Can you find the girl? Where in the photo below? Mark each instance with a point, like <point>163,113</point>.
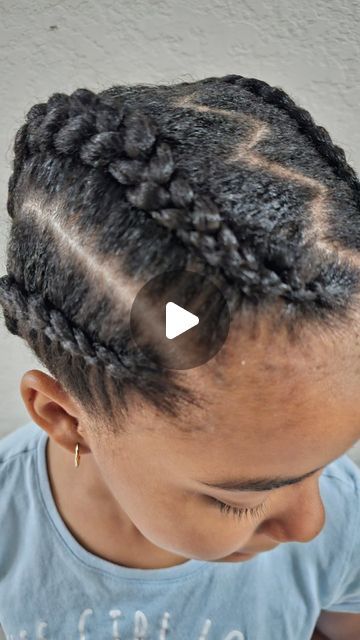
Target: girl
<point>211,502</point>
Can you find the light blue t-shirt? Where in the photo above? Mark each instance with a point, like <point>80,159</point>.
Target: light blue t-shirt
<point>51,587</point>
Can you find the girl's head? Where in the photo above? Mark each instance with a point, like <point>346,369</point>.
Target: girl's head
<point>226,176</point>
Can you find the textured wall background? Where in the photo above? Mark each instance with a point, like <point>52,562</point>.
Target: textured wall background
<point>311,49</point>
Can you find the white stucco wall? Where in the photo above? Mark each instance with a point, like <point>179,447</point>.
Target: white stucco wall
<point>311,49</point>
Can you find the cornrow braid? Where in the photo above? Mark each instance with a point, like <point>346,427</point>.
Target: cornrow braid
<point>127,146</point>
<point>332,153</point>
<point>81,126</point>
<point>29,315</point>
<point>225,173</point>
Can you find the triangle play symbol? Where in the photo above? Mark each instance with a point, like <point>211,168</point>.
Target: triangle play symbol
<point>178,320</point>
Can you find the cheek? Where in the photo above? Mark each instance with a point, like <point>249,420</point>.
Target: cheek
<point>185,526</point>
<point>179,523</point>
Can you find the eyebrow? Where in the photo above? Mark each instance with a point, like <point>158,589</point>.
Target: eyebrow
<point>259,484</point>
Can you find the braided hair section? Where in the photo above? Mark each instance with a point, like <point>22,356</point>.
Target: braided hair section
<point>145,168</point>
<point>317,134</point>
<point>129,146</point>
<point>30,316</point>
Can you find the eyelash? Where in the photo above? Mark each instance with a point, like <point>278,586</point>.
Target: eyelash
<point>240,511</point>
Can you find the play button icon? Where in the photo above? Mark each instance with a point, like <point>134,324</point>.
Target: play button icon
<point>179,319</point>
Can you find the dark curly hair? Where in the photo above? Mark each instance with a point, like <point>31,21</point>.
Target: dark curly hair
<point>225,174</point>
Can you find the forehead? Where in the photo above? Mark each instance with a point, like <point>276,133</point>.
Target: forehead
<point>267,390</point>
<point>269,408</point>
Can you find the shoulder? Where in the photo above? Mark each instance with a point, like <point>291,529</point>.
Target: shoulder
<point>18,485</point>
<point>340,490</point>
<point>345,470</point>
<point>340,581</point>
<point>340,486</point>
<point>22,440</point>
<point>17,453</point>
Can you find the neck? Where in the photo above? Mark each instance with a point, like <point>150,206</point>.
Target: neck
<point>93,515</point>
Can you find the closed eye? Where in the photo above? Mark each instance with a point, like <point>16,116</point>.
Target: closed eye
<point>240,512</point>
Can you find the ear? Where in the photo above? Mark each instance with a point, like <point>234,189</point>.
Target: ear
<point>52,409</point>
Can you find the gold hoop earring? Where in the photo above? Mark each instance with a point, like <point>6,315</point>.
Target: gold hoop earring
<point>77,456</point>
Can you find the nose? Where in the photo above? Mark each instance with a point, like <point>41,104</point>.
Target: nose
<point>299,518</point>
